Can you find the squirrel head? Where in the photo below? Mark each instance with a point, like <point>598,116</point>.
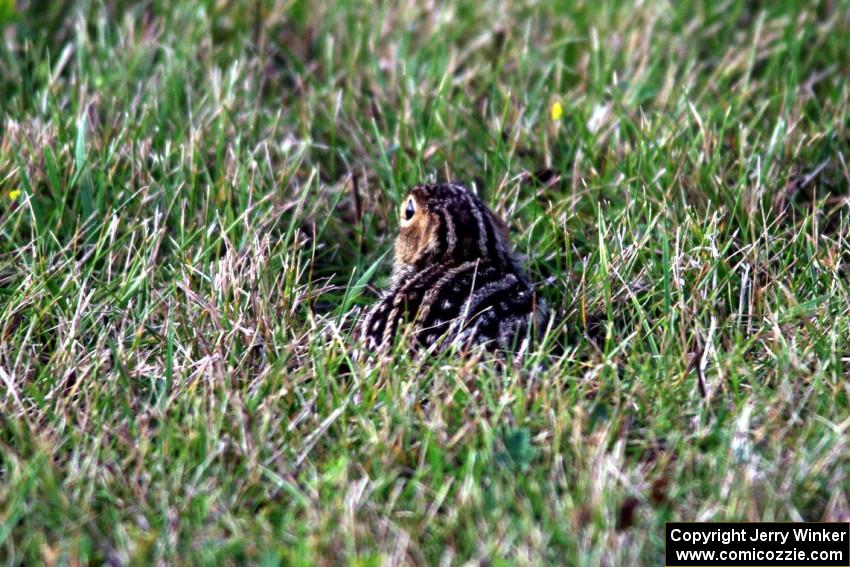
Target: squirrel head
<point>447,224</point>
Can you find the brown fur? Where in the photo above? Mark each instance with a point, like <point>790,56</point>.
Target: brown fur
<point>416,236</point>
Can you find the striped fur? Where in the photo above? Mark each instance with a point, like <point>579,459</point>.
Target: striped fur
<point>455,279</point>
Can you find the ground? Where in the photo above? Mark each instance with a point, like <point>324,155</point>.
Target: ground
<point>197,197</point>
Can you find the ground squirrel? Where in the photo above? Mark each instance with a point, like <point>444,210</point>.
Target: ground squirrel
<point>455,278</point>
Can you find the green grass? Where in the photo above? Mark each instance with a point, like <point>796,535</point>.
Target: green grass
<point>193,195</point>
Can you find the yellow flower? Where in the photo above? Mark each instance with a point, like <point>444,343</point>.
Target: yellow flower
<point>14,194</point>
<point>556,111</point>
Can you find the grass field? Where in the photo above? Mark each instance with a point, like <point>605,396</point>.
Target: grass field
<point>196,198</point>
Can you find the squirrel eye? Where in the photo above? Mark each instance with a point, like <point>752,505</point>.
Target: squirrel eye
<point>410,210</point>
